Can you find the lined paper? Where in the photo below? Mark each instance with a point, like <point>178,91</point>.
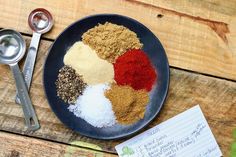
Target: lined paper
<point>185,135</point>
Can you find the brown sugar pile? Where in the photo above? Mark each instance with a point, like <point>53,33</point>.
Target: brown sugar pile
<point>110,40</point>
<point>129,105</point>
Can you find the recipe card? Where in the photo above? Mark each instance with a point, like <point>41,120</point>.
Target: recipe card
<point>185,135</point>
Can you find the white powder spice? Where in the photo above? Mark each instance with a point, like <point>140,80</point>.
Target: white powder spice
<point>94,107</point>
<point>86,62</point>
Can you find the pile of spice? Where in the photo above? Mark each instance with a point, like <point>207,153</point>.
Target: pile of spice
<point>135,69</point>
<point>128,104</point>
<point>94,107</point>
<point>86,62</point>
<point>111,40</point>
<point>69,85</point>
<point>107,77</point>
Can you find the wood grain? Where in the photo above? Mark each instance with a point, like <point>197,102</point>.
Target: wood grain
<point>197,35</point>
<point>215,96</point>
<point>215,10</point>
<point>15,146</point>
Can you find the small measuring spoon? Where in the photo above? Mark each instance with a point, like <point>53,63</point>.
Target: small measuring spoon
<point>40,21</point>
<point>12,49</point>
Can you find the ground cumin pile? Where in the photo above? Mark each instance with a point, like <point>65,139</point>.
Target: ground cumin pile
<point>128,104</point>
<point>110,40</point>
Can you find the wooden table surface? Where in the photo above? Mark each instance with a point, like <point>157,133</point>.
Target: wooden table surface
<point>200,41</point>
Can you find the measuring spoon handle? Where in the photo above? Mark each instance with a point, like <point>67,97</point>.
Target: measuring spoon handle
<point>28,68</point>
<point>30,116</point>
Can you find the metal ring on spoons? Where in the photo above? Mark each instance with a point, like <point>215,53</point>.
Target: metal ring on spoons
<point>40,21</point>
<point>12,49</point>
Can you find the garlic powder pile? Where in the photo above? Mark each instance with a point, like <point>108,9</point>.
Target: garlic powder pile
<point>87,63</point>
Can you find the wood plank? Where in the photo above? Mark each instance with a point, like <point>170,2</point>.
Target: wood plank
<point>215,96</point>
<point>12,145</point>
<point>198,36</point>
<point>214,10</point>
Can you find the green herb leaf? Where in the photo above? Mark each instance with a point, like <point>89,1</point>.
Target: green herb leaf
<point>127,151</point>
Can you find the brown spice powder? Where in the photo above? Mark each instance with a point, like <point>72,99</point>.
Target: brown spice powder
<point>129,105</point>
<point>110,40</point>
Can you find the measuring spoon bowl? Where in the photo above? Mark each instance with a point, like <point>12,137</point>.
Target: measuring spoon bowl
<point>40,20</point>
<point>10,46</point>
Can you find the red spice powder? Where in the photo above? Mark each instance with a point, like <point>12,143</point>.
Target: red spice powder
<point>133,68</point>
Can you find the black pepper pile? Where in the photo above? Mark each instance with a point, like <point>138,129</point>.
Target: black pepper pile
<point>69,85</point>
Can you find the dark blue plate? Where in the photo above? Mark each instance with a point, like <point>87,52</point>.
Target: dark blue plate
<point>73,33</point>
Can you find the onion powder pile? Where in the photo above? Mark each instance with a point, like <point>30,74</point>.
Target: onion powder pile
<point>94,107</point>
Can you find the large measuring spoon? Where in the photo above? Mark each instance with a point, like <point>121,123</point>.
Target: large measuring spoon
<point>12,49</point>
<point>40,21</point>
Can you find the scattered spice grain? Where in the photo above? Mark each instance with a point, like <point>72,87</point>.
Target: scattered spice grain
<point>69,85</point>
<point>111,40</point>
<point>129,105</point>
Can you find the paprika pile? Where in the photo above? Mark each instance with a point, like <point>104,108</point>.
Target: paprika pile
<point>133,68</point>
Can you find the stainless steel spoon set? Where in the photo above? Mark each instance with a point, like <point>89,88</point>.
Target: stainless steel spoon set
<point>12,49</point>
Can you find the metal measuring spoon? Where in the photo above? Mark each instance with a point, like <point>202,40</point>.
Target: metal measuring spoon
<point>40,21</point>
<point>12,49</point>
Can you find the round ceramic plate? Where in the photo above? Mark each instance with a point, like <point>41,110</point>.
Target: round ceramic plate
<point>54,61</point>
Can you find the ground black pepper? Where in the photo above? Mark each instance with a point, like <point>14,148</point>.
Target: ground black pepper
<point>69,85</point>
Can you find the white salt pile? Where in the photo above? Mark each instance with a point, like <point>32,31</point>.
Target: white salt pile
<point>94,107</point>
